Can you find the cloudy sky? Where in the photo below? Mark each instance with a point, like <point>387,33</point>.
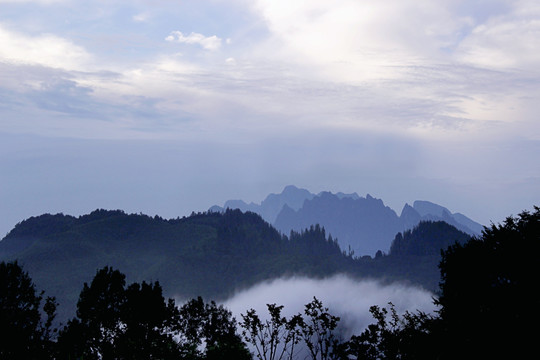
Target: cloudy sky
<point>165,107</point>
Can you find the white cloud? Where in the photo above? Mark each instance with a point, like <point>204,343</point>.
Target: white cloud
<point>45,49</point>
<point>506,42</point>
<point>207,42</point>
<point>352,40</point>
<point>358,40</point>
<point>344,296</point>
<point>388,66</point>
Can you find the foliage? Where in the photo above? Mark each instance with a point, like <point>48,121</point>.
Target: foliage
<point>135,322</point>
<point>148,323</point>
<point>488,298</point>
<point>487,302</point>
<point>272,339</point>
<point>427,238</point>
<point>208,331</point>
<point>394,337</point>
<point>277,337</point>
<point>115,322</point>
<point>318,330</point>
<point>25,334</point>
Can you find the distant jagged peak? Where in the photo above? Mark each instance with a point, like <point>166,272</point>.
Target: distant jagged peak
<point>292,189</point>
<point>270,207</point>
<point>292,199</point>
<point>407,208</point>
<point>340,195</point>
<point>238,204</point>
<point>428,208</point>
<point>409,216</point>
<point>291,196</point>
<point>289,192</point>
<point>286,210</point>
<point>375,200</point>
<point>471,224</point>
<point>324,194</point>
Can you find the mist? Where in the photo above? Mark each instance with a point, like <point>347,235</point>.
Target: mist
<point>345,297</point>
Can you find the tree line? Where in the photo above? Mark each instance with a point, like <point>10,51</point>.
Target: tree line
<point>487,304</point>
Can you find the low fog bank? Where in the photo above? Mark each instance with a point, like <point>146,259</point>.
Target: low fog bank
<point>345,297</point>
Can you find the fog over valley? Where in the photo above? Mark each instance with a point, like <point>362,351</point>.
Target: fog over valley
<point>346,297</point>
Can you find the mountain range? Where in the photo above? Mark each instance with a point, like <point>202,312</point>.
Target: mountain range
<point>210,254</point>
<point>362,225</point>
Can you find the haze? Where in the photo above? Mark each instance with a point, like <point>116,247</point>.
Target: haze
<point>345,297</point>
<point>167,107</point>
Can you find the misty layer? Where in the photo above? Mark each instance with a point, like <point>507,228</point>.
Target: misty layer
<point>345,297</point>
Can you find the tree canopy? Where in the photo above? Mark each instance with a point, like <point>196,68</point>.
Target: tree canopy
<point>25,316</point>
<point>488,296</point>
<point>488,303</point>
<point>136,322</point>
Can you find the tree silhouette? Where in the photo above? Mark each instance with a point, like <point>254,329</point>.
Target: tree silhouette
<point>24,333</point>
<point>97,327</point>
<point>318,331</point>
<point>394,337</point>
<point>488,302</point>
<point>209,331</point>
<point>117,323</point>
<point>488,295</point>
<point>148,324</point>
<point>274,338</point>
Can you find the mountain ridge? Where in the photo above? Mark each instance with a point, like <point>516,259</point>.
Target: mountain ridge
<point>369,225</point>
<point>206,254</point>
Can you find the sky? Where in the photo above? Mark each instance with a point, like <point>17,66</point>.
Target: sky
<point>168,107</point>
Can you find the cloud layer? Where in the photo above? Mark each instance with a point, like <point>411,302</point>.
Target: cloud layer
<point>345,95</point>
<point>443,68</point>
<point>45,50</point>
<point>345,297</point>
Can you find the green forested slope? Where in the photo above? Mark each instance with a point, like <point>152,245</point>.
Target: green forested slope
<point>208,254</point>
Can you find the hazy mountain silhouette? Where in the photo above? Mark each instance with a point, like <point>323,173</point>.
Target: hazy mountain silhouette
<point>363,225</point>
<point>430,211</point>
<point>270,207</point>
<point>208,254</point>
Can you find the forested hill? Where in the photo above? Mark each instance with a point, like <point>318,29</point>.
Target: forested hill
<point>427,239</point>
<point>208,254</point>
